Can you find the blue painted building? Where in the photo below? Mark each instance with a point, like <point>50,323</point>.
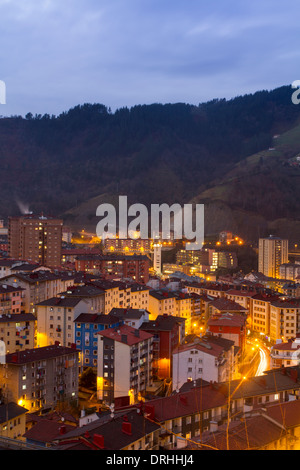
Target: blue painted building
<point>87,326</point>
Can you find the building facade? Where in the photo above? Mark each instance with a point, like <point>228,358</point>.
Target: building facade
<point>35,238</point>
<point>124,364</point>
<point>113,266</point>
<point>17,331</point>
<point>42,377</point>
<point>272,252</point>
<point>87,327</point>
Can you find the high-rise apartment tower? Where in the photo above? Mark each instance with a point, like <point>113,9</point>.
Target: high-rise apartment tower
<point>35,238</point>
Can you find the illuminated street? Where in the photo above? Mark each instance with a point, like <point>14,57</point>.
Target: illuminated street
<point>264,361</point>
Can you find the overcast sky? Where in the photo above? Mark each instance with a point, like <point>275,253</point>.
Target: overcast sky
<point>55,54</point>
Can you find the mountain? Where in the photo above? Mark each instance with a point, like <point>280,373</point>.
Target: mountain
<point>260,194</point>
<point>216,153</point>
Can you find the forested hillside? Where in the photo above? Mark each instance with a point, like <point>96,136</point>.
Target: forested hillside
<point>152,153</point>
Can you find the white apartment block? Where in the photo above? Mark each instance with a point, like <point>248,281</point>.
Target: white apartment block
<point>124,364</point>
<point>285,354</point>
<point>204,360</point>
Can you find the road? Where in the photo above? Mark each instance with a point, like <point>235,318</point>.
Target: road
<point>264,361</point>
<point>260,361</point>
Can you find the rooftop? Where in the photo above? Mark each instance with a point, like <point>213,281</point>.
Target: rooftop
<point>134,313</point>
<point>95,318</point>
<point>17,317</point>
<point>37,354</point>
<point>223,304</point>
<point>126,334</point>
<point>61,302</point>
<point>109,433</point>
<point>162,323</point>
<point>227,319</point>
<point>11,411</point>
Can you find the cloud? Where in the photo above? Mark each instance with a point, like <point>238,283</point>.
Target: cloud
<point>55,54</point>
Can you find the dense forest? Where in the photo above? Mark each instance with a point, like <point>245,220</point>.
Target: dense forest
<point>152,153</point>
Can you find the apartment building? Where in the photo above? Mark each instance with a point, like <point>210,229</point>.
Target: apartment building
<point>285,353</point>
<point>37,286</point>
<point>168,332</point>
<point>275,427</point>
<point>224,259</point>
<point>87,327</point>
<point>124,364</point>
<point>92,293</point>
<point>134,317</point>
<point>284,319</point>
<point>107,295</point>
<point>289,271</point>
<point>124,430</point>
<point>127,245</point>
<point>7,265</point>
<point>161,302</point>
<point>35,238</point>
<point>11,299</point>
<point>209,358</point>
<point>241,296</point>
<point>41,378</point>
<point>113,266</point>
<point>224,305</point>
<point>12,420</point>
<point>169,302</point>
<point>211,289</point>
<point>17,331</point>
<point>55,319</point>
<point>272,252</point>
<point>190,413</point>
<point>230,326</point>
<point>260,307</point>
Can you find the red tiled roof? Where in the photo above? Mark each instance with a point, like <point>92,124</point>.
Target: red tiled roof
<point>287,346</point>
<point>132,335</point>
<point>46,430</point>
<point>227,320</point>
<point>241,293</point>
<point>182,404</point>
<point>287,413</point>
<point>209,348</point>
<point>227,304</point>
<point>36,354</point>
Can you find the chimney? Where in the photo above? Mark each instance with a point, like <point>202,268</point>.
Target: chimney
<point>14,358</point>
<point>150,411</point>
<point>98,440</point>
<point>213,426</point>
<point>62,429</point>
<point>124,338</point>
<point>126,426</point>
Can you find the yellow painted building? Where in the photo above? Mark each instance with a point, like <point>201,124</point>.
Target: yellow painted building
<point>178,304</point>
<point>17,331</point>
<point>12,420</point>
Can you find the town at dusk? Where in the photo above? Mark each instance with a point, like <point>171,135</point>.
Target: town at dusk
<point>149,228</point>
